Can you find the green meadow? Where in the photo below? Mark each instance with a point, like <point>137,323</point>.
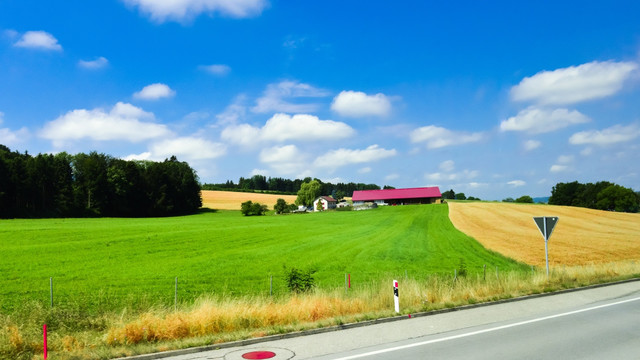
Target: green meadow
<point>110,263</point>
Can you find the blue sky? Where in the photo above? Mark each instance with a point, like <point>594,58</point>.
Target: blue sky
<point>493,99</point>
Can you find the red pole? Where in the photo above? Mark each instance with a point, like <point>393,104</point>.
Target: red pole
<point>44,331</point>
<point>349,281</point>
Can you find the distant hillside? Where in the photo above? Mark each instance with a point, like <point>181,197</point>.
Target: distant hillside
<point>541,200</point>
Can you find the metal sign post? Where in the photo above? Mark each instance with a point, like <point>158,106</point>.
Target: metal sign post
<point>546,224</point>
<point>396,302</point>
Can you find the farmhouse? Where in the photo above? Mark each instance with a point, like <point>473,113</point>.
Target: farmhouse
<point>423,195</point>
<point>326,203</point>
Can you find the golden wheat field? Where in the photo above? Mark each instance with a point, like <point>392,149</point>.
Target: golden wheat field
<point>581,236</point>
<point>229,200</point>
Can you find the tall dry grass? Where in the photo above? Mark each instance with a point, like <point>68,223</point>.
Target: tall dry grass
<point>213,319</point>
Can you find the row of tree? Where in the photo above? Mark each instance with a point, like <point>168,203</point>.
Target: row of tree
<point>94,184</point>
<point>287,186</point>
<point>602,195</point>
<point>452,195</point>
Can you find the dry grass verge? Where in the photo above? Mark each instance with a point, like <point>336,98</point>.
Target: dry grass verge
<point>212,320</point>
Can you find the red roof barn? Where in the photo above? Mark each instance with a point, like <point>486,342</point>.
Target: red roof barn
<point>422,195</point>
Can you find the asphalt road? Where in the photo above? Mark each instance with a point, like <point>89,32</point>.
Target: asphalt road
<point>601,323</point>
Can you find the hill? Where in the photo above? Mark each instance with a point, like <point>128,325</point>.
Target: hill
<point>582,236</point>
<point>107,263</point>
<point>230,200</point>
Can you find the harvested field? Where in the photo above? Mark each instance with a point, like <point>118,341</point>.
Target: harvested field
<point>230,200</point>
<point>582,236</point>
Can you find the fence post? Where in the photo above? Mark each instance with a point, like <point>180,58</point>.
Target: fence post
<point>44,339</point>
<point>346,290</point>
<point>484,273</point>
<point>51,290</point>
<point>455,275</point>
<point>497,276</point>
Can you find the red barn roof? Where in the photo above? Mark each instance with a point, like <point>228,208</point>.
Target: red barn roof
<point>389,194</point>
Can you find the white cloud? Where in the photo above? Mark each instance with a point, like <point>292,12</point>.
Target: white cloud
<point>38,40</point>
<point>535,120</point>
<point>447,166</point>
<point>98,63</point>
<point>517,183</point>
<point>274,98</point>
<point>216,69</point>
<point>233,113</point>
<point>142,156</point>
<point>609,136</point>
<point>558,168</point>
<point>437,137</point>
<point>574,84</point>
<point>391,177</point>
<point>283,127</point>
<point>364,170</point>
<point>531,145</point>
<point>262,172</point>
<point>586,151</point>
<point>9,137</point>
<point>342,157</point>
<point>287,159</point>
<point>565,159</point>
<point>184,10</point>
<point>190,148</point>
<point>122,122</point>
<point>154,92</point>
<point>466,174</point>
<point>358,104</point>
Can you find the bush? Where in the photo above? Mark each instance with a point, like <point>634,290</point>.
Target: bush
<point>526,199</point>
<point>249,208</point>
<point>299,281</point>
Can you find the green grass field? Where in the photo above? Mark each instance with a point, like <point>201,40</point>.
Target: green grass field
<point>105,264</point>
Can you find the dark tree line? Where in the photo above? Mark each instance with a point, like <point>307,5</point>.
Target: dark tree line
<point>602,195</point>
<point>287,186</point>
<point>94,184</point>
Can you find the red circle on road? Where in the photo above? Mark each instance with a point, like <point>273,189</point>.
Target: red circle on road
<point>259,355</point>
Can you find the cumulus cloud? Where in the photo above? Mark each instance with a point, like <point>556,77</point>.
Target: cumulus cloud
<point>364,170</point>
<point>38,40</point>
<point>342,157</point>
<point>358,104</point>
<point>275,98</point>
<point>558,168</point>
<point>517,183</point>
<point>534,120</point>
<point>466,174</point>
<point>613,135</point>
<point>447,166</point>
<point>287,159</point>
<point>98,63</point>
<point>233,113</point>
<point>437,137</point>
<point>123,122</point>
<point>154,92</point>
<point>531,145</point>
<point>185,10</point>
<point>190,148</point>
<point>9,137</point>
<point>216,69</point>
<point>283,127</point>
<point>574,84</point>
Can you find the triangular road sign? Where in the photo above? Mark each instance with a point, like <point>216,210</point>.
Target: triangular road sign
<point>546,224</point>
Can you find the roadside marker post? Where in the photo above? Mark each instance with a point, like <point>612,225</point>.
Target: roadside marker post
<point>396,301</point>
<point>546,224</point>
<point>44,338</point>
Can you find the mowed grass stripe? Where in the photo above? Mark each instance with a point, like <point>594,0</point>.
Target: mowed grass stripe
<point>582,236</point>
<point>116,262</point>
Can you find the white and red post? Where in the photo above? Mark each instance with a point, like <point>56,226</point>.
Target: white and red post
<point>396,301</point>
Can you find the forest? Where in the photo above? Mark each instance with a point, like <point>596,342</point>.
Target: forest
<point>94,185</point>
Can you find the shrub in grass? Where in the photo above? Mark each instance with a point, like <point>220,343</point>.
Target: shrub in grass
<point>298,280</point>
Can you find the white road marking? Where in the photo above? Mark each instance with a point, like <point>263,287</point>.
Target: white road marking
<point>484,331</point>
